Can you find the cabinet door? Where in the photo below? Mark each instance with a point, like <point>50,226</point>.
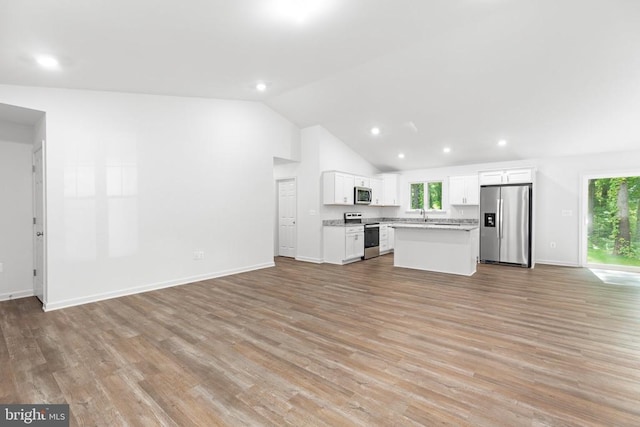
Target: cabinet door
<point>347,189</point>
<point>457,190</point>
<point>362,181</point>
<point>391,190</point>
<point>464,190</point>
<point>472,190</point>
<point>491,178</point>
<point>377,192</point>
<point>359,249</point>
<point>519,176</point>
<point>337,188</point>
<point>354,245</point>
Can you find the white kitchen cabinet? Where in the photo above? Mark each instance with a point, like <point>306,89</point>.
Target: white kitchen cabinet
<point>377,192</point>
<point>508,176</point>
<point>491,178</point>
<point>337,188</point>
<point>343,245</point>
<point>354,245</point>
<point>362,181</point>
<point>464,190</point>
<point>391,236</point>
<point>386,238</point>
<point>519,176</point>
<point>390,183</point>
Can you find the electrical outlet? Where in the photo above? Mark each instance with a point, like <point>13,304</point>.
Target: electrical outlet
<point>198,255</point>
<point>553,245</point>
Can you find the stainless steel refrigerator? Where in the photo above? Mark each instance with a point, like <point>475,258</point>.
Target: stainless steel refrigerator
<point>505,224</point>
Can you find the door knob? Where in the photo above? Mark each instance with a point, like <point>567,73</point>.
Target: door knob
<point>39,233</point>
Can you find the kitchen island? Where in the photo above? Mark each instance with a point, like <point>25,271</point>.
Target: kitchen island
<point>442,248</point>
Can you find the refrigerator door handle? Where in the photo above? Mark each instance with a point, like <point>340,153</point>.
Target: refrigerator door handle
<point>498,219</point>
<point>501,211</point>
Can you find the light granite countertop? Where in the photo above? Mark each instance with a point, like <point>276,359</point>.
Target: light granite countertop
<point>436,226</point>
<point>443,223</point>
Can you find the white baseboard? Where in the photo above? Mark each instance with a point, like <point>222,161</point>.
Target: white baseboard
<point>308,259</point>
<point>558,263</point>
<point>50,306</point>
<point>16,294</point>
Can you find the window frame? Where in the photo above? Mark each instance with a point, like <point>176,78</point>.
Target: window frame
<point>426,199</point>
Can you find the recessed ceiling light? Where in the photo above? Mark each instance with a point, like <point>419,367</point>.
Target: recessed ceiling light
<point>446,149</point>
<point>375,131</point>
<point>502,142</point>
<point>299,11</point>
<point>261,86</point>
<point>48,62</point>
<point>401,155</point>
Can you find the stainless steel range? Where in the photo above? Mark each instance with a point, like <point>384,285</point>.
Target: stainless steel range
<point>371,234</point>
<point>371,240</point>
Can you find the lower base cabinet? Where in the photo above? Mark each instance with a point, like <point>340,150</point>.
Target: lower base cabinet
<point>342,244</point>
<point>387,237</point>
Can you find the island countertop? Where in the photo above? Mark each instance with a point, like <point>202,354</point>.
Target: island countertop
<point>431,226</point>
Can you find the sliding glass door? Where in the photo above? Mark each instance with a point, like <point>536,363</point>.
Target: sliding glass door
<point>613,222</point>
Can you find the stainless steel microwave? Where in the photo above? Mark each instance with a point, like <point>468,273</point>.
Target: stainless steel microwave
<point>361,196</point>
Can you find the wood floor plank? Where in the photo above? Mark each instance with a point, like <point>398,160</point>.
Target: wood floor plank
<point>365,344</point>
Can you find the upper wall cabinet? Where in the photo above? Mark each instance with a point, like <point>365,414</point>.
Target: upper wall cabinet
<point>377,192</point>
<point>337,188</point>
<point>464,190</point>
<point>362,181</point>
<point>390,182</point>
<point>509,176</point>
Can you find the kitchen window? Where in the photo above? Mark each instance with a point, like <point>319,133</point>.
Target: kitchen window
<point>426,195</point>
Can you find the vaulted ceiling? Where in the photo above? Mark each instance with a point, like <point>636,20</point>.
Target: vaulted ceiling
<point>551,77</point>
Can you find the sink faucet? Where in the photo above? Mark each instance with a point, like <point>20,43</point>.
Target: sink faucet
<point>423,212</point>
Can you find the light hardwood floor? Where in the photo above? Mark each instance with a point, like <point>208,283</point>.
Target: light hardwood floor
<point>364,344</point>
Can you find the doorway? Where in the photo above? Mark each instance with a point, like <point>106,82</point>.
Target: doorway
<point>22,217</point>
<point>287,217</point>
<point>611,235</point>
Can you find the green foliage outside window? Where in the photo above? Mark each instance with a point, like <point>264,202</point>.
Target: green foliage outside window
<point>417,196</point>
<point>435,195</point>
<point>433,199</point>
<point>614,221</point>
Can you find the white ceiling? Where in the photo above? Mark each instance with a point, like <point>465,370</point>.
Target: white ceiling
<point>553,77</point>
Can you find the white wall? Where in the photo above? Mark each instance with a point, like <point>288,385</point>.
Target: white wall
<point>16,245</point>
<point>15,132</point>
<point>137,183</point>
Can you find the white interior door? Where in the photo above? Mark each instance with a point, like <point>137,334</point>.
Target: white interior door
<point>38,226</point>
<point>287,218</point>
